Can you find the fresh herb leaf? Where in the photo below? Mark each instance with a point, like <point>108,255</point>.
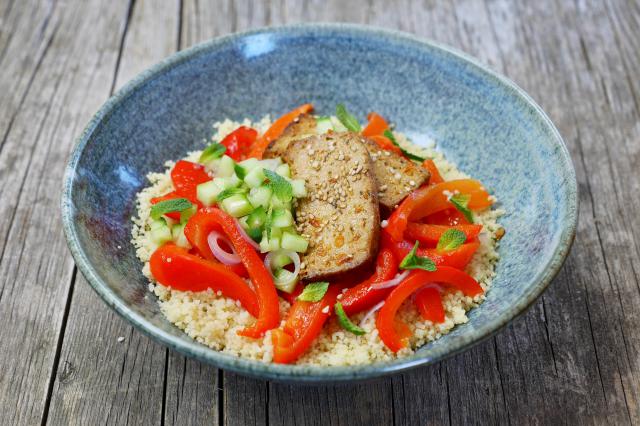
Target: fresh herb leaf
<point>240,171</point>
<point>229,192</point>
<point>389,135</point>
<point>314,292</point>
<point>461,203</point>
<point>213,151</point>
<point>413,261</point>
<point>348,120</point>
<point>280,186</point>
<point>345,322</point>
<point>268,223</point>
<point>168,206</point>
<point>451,239</point>
<point>186,214</point>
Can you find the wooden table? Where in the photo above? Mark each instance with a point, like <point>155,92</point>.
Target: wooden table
<point>574,357</point>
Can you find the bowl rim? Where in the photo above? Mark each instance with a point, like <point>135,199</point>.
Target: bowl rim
<point>317,374</point>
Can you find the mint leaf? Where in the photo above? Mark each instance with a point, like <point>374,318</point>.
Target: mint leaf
<point>280,186</point>
<point>451,239</point>
<point>389,135</point>
<point>345,322</point>
<point>168,206</point>
<point>413,261</point>
<point>213,151</point>
<point>461,203</point>
<point>229,192</point>
<point>348,120</point>
<point>314,292</point>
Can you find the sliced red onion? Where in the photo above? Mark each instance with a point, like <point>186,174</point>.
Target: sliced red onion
<point>246,236</point>
<point>221,254</point>
<point>370,313</point>
<point>392,282</point>
<point>295,257</point>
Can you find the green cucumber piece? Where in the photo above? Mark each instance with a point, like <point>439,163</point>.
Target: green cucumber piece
<point>299,190</point>
<point>323,124</point>
<point>257,218</point>
<point>260,196</point>
<point>282,218</point>
<point>269,244</point>
<point>249,164</point>
<point>237,205</point>
<point>293,242</point>
<point>208,191</point>
<point>284,171</point>
<point>337,125</point>
<point>271,163</point>
<point>255,234</point>
<point>177,232</point>
<point>223,167</point>
<point>160,232</point>
<point>255,177</point>
<point>277,203</point>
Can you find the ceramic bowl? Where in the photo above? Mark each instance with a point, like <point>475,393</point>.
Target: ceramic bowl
<point>483,122</point>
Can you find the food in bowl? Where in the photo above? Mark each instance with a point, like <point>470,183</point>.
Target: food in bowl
<point>313,240</point>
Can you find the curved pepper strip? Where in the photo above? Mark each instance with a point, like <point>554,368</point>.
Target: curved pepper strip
<point>376,126</point>
<point>456,258</point>
<point>386,320</point>
<point>197,231</point>
<point>276,129</point>
<point>304,323</point>
<point>174,267</point>
<point>448,217</point>
<point>430,199</point>
<point>430,234</point>
<point>239,142</point>
<point>269,316</point>
<point>434,173</point>
<point>363,296</point>
<point>429,304</point>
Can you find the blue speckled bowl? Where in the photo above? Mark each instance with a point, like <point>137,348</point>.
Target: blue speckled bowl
<point>483,122</point>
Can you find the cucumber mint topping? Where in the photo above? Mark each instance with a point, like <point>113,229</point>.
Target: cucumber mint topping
<point>348,120</point>
<point>213,151</point>
<point>314,292</point>
<point>451,239</point>
<point>169,206</point>
<point>461,203</point>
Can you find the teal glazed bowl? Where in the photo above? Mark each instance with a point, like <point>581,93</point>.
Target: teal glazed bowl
<point>483,122</point>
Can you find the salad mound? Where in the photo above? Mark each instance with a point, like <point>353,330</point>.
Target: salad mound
<point>314,240</point>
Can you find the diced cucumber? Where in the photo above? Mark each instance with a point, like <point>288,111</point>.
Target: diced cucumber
<point>276,233</point>
<point>271,163</point>
<point>227,182</point>
<point>280,260</point>
<point>223,167</point>
<point>281,218</point>
<point>255,177</point>
<point>255,234</point>
<point>337,125</point>
<point>269,244</point>
<point>243,222</point>
<point>257,218</point>
<point>299,190</point>
<point>208,191</point>
<point>178,236</point>
<point>277,203</point>
<point>323,124</point>
<point>237,205</point>
<point>284,171</point>
<point>249,164</point>
<point>260,196</point>
<point>160,232</point>
<point>293,242</point>
<point>285,280</point>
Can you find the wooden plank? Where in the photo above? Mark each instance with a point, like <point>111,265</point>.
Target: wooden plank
<point>35,267</point>
<point>124,381</point>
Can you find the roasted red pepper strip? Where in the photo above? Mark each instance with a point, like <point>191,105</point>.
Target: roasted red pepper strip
<point>456,258</point>
<point>197,231</point>
<point>386,319</point>
<point>377,125</point>
<point>239,142</point>
<point>430,234</point>
<point>304,323</point>
<point>269,317</point>
<point>430,199</point>
<point>449,217</point>
<point>186,176</point>
<point>362,296</point>
<point>429,304</point>
<point>384,143</point>
<point>276,130</point>
<point>170,196</point>
<point>174,267</point>
<point>435,176</point>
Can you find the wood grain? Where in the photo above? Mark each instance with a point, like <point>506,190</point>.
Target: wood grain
<point>573,358</point>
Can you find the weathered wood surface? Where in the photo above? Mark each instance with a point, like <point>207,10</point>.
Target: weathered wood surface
<point>573,358</point>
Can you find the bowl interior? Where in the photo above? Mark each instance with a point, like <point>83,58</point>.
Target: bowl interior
<point>489,128</point>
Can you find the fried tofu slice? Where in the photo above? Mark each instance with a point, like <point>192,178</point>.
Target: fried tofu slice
<point>304,126</point>
<point>340,217</point>
<point>397,176</point>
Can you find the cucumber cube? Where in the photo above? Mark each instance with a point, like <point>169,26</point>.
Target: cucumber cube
<point>255,177</point>
<point>160,232</point>
<point>237,205</point>
<point>294,242</point>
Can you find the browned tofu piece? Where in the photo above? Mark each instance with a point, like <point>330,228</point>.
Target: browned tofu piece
<point>396,175</point>
<point>340,216</point>
<point>304,126</point>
